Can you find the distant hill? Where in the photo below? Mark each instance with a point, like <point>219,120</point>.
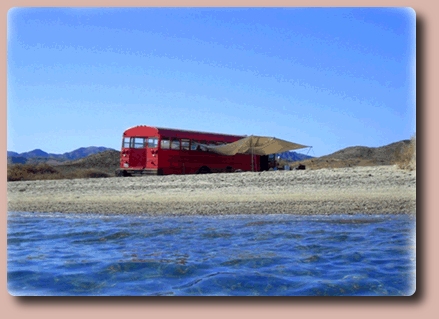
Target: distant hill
<point>13,154</point>
<point>102,164</point>
<point>359,156</point>
<point>17,160</point>
<point>383,154</point>
<point>106,161</point>
<point>292,156</point>
<point>36,153</point>
<point>84,152</point>
<point>40,156</point>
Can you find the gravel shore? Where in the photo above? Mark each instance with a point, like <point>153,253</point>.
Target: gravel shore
<point>370,190</point>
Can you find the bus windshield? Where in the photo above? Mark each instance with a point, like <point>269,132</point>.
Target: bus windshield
<point>134,142</point>
<point>140,142</point>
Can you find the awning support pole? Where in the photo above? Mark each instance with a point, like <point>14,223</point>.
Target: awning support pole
<point>251,145</point>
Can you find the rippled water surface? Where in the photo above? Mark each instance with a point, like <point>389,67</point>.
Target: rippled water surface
<point>242,255</point>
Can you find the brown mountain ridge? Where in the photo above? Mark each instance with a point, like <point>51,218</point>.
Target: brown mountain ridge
<point>362,156</point>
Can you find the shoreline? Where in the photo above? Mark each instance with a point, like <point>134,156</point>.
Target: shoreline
<point>353,190</point>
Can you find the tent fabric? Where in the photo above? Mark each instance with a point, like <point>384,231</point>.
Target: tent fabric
<point>258,145</point>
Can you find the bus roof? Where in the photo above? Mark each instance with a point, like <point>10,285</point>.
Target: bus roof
<point>163,130</point>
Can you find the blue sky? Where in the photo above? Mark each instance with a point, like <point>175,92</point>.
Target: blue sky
<point>325,77</point>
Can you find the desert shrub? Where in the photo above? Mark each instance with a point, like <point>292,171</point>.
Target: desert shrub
<point>406,159</point>
<point>28,172</point>
<point>15,172</point>
<point>25,172</point>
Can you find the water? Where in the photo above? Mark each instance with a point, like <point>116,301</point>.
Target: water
<point>241,255</point>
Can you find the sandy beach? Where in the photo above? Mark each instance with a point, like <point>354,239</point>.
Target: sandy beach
<point>370,190</point>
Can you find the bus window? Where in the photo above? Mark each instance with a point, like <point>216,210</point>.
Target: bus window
<point>165,143</point>
<point>202,146</point>
<point>175,144</point>
<point>126,142</point>
<point>185,144</point>
<point>194,145</point>
<point>138,142</point>
<point>152,142</point>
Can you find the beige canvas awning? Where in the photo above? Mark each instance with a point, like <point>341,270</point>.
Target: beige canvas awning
<point>258,145</point>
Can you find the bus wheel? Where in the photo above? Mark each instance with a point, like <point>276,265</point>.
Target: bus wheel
<point>204,170</point>
<point>229,169</point>
<point>124,174</point>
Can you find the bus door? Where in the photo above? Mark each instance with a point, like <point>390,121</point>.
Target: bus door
<point>138,152</point>
<point>151,152</point>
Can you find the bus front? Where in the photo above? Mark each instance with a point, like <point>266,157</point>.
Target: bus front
<point>138,155</point>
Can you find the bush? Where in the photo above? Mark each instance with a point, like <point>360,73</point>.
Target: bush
<point>29,172</point>
<point>25,172</point>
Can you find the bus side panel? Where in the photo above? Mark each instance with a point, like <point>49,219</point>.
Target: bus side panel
<point>169,161</point>
<point>189,162</point>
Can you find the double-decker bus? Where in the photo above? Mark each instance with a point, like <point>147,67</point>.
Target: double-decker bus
<point>164,151</point>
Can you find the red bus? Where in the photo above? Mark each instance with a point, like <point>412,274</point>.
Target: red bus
<point>164,151</point>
